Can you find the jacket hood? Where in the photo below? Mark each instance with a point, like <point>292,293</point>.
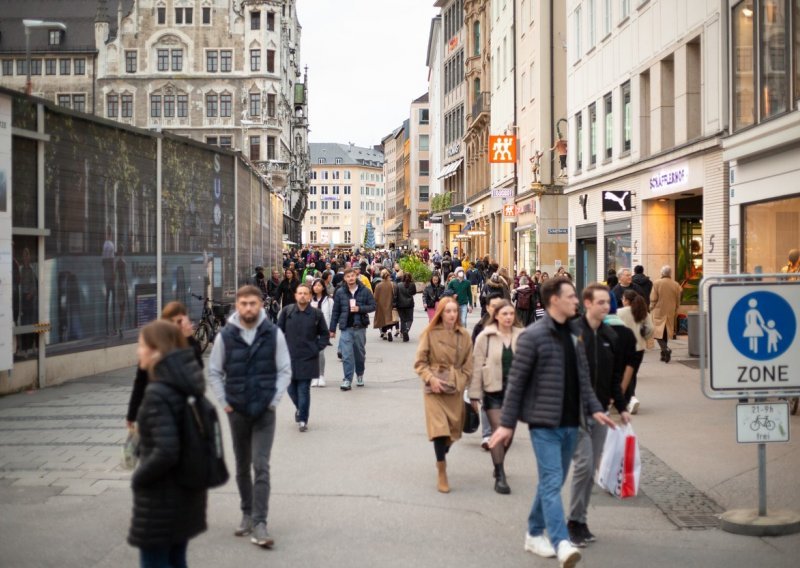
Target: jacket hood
<point>492,284</point>
<point>180,370</point>
<point>236,322</point>
<point>640,279</point>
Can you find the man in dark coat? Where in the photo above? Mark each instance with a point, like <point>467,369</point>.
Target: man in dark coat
<point>625,282</point>
<point>642,282</point>
<point>306,336</point>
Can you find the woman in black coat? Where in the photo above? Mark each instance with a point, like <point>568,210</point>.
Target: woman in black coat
<point>165,513</point>
<point>288,286</point>
<point>432,294</point>
<point>404,302</point>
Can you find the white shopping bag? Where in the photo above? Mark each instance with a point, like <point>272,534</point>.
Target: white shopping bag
<point>621,465</point>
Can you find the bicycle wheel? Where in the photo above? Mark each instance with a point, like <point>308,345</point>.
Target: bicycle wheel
<point>202,334</point>
<point>755,425</point>
<point>770,424</point>
<point>793,403</point>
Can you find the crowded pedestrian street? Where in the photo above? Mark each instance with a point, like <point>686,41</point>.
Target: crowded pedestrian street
<point>358,488</point>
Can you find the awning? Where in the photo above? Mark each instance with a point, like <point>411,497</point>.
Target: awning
<point>449,169</point>
<point>524,228</point>
<point>395,228</point>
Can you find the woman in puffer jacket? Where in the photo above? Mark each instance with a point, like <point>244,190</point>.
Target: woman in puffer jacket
<point>165,513</point>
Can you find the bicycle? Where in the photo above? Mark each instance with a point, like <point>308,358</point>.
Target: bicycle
<point>760,421</point>
<point>211,320</point>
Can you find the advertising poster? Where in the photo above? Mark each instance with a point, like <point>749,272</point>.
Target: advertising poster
<point>7,280</point>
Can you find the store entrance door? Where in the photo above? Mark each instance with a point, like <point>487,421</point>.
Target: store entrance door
<point>586,266</point>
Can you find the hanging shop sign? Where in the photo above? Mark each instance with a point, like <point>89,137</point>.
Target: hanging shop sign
<point>502,149</point>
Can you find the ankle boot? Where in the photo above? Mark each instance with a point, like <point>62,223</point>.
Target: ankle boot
<point>442,484</point>
<point>500,484</point>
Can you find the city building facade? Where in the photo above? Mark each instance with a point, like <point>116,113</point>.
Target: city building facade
<point>418,197</point>
<point>389,144</point>
<point>646,101</point>
<point>434,61</point>
<point>763,149</point>
<point>223,72</point>
<point>346,195</point>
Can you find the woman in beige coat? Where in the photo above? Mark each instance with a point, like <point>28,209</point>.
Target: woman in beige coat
<point>384,300</point>
<point>444,363</point>
<point>494,351</point>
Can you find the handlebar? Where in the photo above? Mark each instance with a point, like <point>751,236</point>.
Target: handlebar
<point>211,300</point>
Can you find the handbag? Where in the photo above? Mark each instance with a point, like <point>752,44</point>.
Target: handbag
<point>472,421</point>
<point>621,467</point>
<point>395,316</point>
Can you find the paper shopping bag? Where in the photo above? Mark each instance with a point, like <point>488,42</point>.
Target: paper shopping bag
<point>620,466</point>
<point>631,465</point>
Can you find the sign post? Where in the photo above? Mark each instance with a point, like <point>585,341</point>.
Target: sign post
<point>751,342</point>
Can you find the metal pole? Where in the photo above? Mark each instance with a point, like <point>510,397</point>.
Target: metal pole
<point>28,88</point>
<point>762,480</point>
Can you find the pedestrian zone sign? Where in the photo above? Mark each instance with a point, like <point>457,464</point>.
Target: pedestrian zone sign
<point>754,341</point>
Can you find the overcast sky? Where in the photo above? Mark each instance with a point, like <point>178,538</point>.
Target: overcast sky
<point>366,63</point>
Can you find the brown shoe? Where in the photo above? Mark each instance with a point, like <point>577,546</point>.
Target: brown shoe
<point>442,484</point>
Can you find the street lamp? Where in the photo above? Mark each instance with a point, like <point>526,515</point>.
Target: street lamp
<point>28,24</point>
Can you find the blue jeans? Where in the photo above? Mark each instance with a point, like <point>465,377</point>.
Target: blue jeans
<point>353,347</point>
<point>462,313</point>
<point>300,393</point>
<point>167,556</point>
<point>553,448</point>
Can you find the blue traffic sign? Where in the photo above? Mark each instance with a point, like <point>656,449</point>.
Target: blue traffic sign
<point>762,326</point>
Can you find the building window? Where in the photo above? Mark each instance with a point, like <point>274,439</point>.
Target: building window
<point>65,101</point>
<point>50,66</point>
<point>271,105</point>
<point>212,58</point>
<point>323,190</point>
<point>424,193</point>
<point>155,106</point>
<point>625,8</point>
<point>313,189</point>
<point>177,59</point>
<point>347,237</point>
<point>424,166</point>
<point>162,59</point>
<point>36,66</point>
<point>579,131</point>
<point>476,38</point>
<point>335,190</point>
<point>347,176</point>
<point>348,204</point>
<point>183,106</point>
<point>271,21</point>
<point>79,66</point>
<point>211,105</point>
<point>770,230</point>
<point>161,15</point>
<point>112,106</point>
<point>126,106</point>
<point>270,61</point>
<point>347,188</point>
<point>255,148</point>
<point>255,104</point>
<point>272,148</point>
<point>609,134</point>
<point>169,106</point>
<point>578,24</point>
<point>424,142</point>
<point>607,17</point>
<point>255,60</point>
<point>618,251</point>
<point>321,161</point>
<point>255,20</point>
<point>79,103</point>
<point>183,16</point>
<point>206,16</point>
<point>64,66</point>
<point>592,134</point>
<point>226,60</point>
<point>8,66</point>
<point>225,105</point>
<point>423,116</point>
<point>774,40</point>
<point>130,62</point>
<point>627,118</point>
<point>212,140</point>
<point>590,9</point>
<point>54,37</point>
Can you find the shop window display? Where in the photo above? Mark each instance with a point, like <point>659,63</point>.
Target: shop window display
<point>689,270</point>
<point>618,251</point>
<point>770,231</point>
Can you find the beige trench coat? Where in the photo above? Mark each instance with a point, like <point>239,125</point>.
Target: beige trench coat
<point>384,297</point>
<point>664,302</point>
<point>487,375</point>
<point>443,352</point>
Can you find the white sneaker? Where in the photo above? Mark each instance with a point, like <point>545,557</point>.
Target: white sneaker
<point>321,382</point>
<point>568,555</point>
<point>314,382</point>
<point>633,405</point>
<point>539,545</point>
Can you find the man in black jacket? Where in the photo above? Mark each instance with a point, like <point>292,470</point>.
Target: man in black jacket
<point>605,370</point>
<point>549,388</point>
<point>643,282</point>
<point>352,304</point>
<point>625,282</point>
<point>306,336</point>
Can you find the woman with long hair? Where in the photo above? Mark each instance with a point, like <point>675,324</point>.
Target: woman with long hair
<point>288,286</point>
<point>494,351</point>
<point>166,514</point>
<point>636,318</point>
<point>432,294</point>
<point>174,312</point>
<point>324,303</point>
<point>404,300</point>
<point>444,363</point>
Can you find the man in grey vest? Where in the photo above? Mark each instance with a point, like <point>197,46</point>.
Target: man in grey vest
<point>249,371</point>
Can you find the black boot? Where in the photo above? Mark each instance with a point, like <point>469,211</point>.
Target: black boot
<point>405,337</point>
<point>500,484</point>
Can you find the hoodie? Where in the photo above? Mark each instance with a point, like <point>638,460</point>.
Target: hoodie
<point>216,363</point>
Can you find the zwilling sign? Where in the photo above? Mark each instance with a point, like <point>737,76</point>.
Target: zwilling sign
<point>616,201</point>
<point>502,149</point>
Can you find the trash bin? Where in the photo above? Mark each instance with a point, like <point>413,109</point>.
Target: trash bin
<point>694,334</point>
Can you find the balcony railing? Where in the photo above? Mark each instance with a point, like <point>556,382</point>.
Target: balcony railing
<point>481,105</point>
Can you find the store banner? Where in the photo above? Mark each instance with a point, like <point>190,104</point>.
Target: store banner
<point>616,201</point>
<point>6,263</point>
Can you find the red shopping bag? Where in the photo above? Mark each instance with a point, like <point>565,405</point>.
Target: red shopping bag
<point>631,466</point>
<point>620,467</point>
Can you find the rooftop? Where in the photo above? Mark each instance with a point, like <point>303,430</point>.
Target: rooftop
<point>347,154</point>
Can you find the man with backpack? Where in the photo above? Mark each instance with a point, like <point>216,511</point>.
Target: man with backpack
<point>249,371</point>
<point>306,336</point>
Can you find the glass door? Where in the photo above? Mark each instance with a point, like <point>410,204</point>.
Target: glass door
<point>689,270</point>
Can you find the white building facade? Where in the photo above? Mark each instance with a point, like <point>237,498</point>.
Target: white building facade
<point>435,104</point>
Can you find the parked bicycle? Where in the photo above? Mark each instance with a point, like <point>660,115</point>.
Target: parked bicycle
<point>211,320</point>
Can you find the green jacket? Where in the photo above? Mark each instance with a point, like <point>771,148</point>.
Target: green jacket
<point>463,290</point>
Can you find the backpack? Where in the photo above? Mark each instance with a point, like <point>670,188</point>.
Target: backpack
<point>524,299</point>
<point>201,464</point>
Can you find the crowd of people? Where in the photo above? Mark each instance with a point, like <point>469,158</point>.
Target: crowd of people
<point>531,357</point>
